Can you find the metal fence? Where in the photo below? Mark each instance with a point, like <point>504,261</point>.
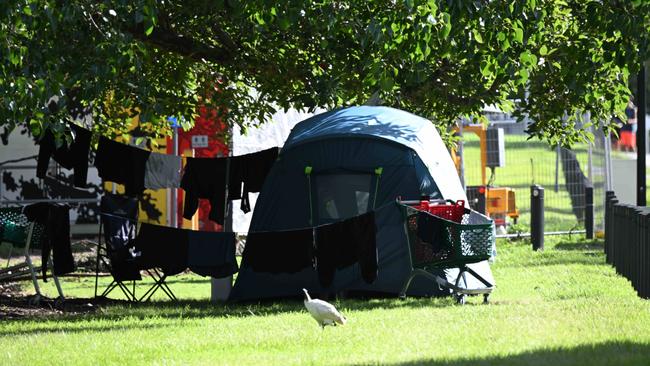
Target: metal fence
<point>20,186</point>
<point>564,174</point>
<point>627,242</point>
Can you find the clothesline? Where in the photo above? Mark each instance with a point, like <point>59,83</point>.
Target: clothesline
<point>255,232</point>
<point>216,179</point>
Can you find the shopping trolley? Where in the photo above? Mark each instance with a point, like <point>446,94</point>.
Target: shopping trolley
<point>447,235</point>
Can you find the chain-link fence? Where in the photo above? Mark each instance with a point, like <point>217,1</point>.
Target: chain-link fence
<point>564,174</point>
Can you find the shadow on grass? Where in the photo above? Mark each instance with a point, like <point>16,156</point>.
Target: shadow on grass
<point>119,314</point>
<point>608,353</point>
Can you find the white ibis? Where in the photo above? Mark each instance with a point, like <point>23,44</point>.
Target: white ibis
<point>324,312</point>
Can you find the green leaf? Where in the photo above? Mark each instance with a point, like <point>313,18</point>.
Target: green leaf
<point>477,36</point>
<point>284,23</point>
<point>446,26</point>
<point>433,6</point>
<point>505,45</point>
<point>149,30</point>
<point>27,10</point>
<point>519,35</point>
<point>386,82</point>
<point>485,69</point>
<point>523,76</point>
<point>543,51</point>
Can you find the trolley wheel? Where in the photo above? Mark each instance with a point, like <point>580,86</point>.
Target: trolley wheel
<point>460,299</point>
<point>486,298</point>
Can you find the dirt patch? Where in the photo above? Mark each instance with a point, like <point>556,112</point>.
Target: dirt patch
<point>15,304</point>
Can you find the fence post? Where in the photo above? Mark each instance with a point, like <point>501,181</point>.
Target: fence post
<point>589,211</point>
<point>643,249</point>
<point>537,216</point>
<point>636,249</point>
<point>608,214</point>
<point>609,197</point>
<point>645,274</point>
<point>616,246</point>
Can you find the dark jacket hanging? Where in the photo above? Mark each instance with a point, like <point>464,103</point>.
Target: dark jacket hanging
<point>121,163</point>
<point>162,247</point>
<point>56,219</point>
<point>344,243</point>
<point>73,156</point>
<point>255,168</point>
<point>205,178</point>
<point>212,253</point>
<point>279,252</point>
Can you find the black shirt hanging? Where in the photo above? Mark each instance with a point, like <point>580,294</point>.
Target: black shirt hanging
<point>73,156</point>
<point>56,219</point>
<point>344,243</point>
<point>121,163</point>
<point>205,178</point>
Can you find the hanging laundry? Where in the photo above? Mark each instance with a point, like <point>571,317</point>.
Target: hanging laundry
<point>432,231</point>
<point>119,217</point>
<point>205,178</point>
<point>212,253</point>
<point>73,156</point>
<point>253,169</point>
<point>288,251</point>
<point>162,171</point>
<point>121,163</point>
<point>162,247</point>
<point>345,243</point>
<point>56,220</point>
<point>235,174</point>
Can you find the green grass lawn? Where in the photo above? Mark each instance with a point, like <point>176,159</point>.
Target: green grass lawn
<point>563,306</point>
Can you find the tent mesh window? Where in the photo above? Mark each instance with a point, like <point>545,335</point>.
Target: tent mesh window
<point>439,243</point>
<point>341,196</point>
<point>14,228</point>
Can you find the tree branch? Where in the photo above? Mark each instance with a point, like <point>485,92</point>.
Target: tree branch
<point>170,41</point>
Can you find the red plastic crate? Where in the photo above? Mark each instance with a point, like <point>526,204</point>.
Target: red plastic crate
<point>451,212</point>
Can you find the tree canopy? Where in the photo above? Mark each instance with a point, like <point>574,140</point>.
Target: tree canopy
<point>443,59</point>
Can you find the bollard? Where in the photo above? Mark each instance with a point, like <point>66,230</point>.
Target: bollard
<point>613,231</point>
<point>609,197</point>
<point>537,216</point>
<point>589,211</point>
<point>645,275</point>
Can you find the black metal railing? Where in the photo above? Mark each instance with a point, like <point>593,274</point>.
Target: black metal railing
<point>627,242</point>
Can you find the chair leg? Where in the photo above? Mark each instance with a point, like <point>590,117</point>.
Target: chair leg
<point>125,290</point>
<point>11,249</point>
<point>97,268</point>
<point>32,271</point>
<point>56,281</point>
<point>167,290</point>
<point>159,282</point>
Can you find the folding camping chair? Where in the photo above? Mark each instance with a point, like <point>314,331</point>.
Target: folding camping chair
<point>18,231</point>
<point>115,251</point>
<point>448,236</point>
